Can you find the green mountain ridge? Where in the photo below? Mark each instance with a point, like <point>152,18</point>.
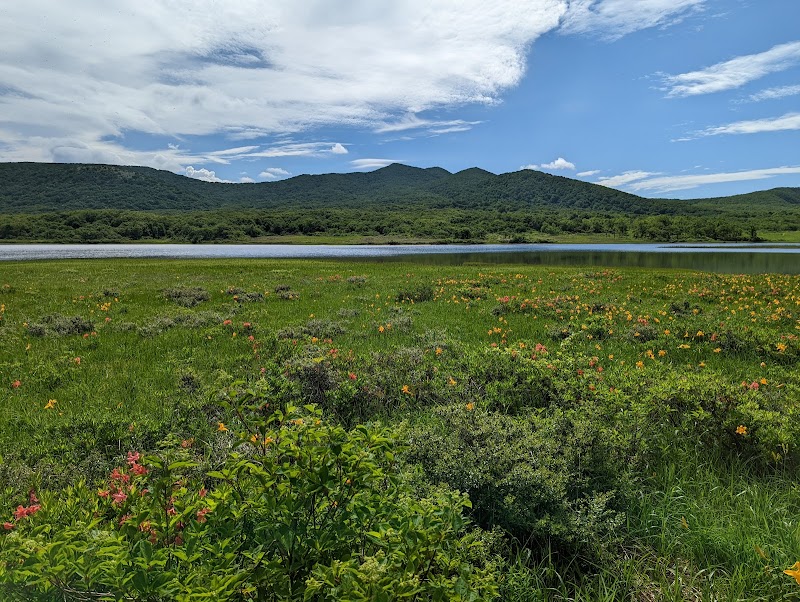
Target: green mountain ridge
<point>51,187</point>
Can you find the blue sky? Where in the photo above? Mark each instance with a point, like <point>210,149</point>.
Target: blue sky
<point>663,98</point>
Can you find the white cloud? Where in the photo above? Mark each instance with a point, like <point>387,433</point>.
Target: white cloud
<point>299,149</point>
<point>625,178</point>
<point>612,19</point>
<point>560,163</point>
<point>90,73</point>
<point>790,121</point>
<point>246,180</point>
<point>683,182</point>
<point>274,173</point>
<point>202,174</point>
<point>586,174</point>
<point>735,72</point>
<point>774,93</point>
<point>413,122</point>
<point>367,164</point>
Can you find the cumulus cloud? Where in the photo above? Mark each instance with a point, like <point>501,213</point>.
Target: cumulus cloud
<point>559,163</point>
<point>612,19</point>
<point>734,73</point>
<point>274,173</point>
<point>367,164</point>
<point>662,184</point>
<point>246,180</point>
<point>202,174</point>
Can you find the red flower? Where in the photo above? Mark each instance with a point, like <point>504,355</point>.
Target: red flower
<point>201,515</point>
<point>16,384</point>
<point>8,526</point>
<point>352,376</point>
<point>202,492</point>
<point>133,458</point>
<point>138,469</point>
<point>103,493</point>
<point>119,498</point>
<point>20,512</point>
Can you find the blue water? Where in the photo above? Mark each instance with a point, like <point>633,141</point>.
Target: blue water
<point>729,257</point>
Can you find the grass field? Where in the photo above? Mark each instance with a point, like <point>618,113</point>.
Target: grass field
<point>632,434</point>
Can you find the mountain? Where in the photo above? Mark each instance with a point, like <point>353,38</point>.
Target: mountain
<point>53,187</point>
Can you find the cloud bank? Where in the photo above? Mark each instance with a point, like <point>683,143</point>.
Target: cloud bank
<point>89,81</point>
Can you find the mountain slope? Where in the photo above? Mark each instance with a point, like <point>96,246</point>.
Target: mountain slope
<point>51,187</point>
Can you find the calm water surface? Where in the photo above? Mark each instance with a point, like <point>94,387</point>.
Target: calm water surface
<point>731,257</point>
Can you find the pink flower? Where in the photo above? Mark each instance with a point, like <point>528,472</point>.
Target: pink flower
<point>133,458</point>
<point>20,512</point>
<point>201,515</point>
<point>119,498</point>
<point>8,526</point>
<point>16,384</point>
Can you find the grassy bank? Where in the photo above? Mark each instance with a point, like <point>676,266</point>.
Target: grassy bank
<point>627,434</point>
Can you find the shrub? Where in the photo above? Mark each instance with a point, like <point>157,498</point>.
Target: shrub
<point>187,296</point>
<point>60,325</point>
<point>301,510</point>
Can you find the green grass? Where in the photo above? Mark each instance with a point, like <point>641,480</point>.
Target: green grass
<point>661,363</point>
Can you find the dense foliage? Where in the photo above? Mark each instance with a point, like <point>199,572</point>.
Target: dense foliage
<point>619,433</point>
<point>102,203</point>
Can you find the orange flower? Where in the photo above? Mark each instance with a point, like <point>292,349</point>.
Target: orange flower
<point>794,571</point>
<point>222,428</point>
<point>406,390</point>
<point>741,430</point>
<point>470,406</point>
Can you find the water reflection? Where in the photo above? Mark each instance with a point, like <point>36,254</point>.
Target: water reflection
<point>728,258</point>
<point>701,260</point>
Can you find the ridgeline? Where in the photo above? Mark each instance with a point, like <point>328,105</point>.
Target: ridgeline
<point>48,202</point>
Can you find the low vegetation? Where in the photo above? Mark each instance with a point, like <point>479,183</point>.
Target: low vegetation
<point>264,429</point>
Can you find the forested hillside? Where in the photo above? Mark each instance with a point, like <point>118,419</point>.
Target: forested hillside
<point>106,203</point>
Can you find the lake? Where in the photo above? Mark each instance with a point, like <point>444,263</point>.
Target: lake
<point>725,258</point>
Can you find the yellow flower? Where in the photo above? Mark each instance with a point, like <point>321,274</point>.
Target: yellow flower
<point>763,381</point>
<point>717,350</point>
<point>470,406</point>
<point>640,364</point>
<point>661,353</point>
<point>50,404</point>
<point>438,351</point>
<point>741,430</point>
<point>451,381</point>
<point>794,571</point>
<point>222,428</point>
<point>381,328</point>
<point>406,390</point>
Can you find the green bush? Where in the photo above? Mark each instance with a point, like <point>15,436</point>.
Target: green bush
<point>300,510</point>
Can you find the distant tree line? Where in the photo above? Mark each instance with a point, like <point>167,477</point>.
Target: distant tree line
<point>442,224</point>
